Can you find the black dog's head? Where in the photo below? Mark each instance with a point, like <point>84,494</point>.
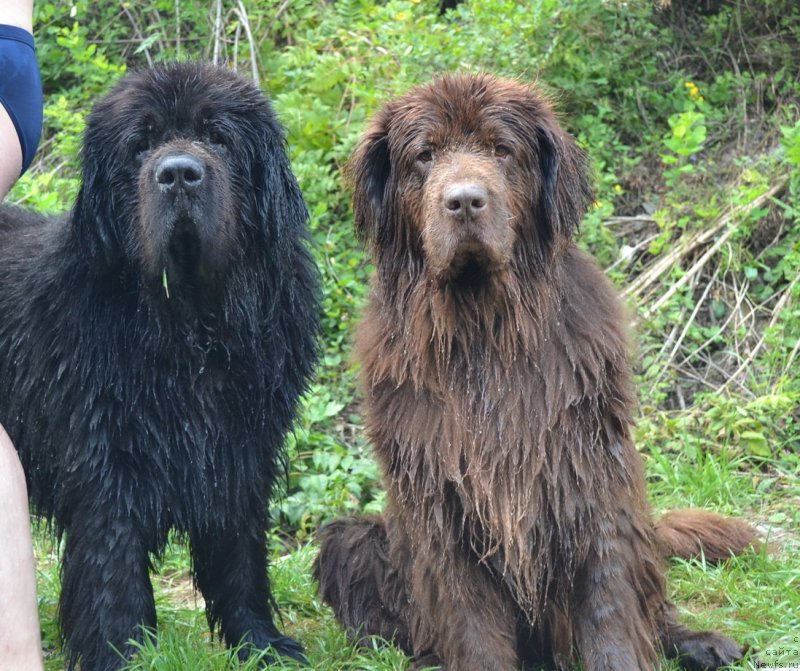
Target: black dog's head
<point>184,171</point>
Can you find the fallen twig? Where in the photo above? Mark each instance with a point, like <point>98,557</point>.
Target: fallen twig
<point>784,299</point>
<point>684,249</point>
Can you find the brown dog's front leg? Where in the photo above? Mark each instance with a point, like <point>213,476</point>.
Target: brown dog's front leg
<point>696,650</point>
<point>612,628</point>
<point>464,619</point>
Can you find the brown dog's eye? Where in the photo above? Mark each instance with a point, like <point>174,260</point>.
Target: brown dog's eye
<point>502,151</point>
<point>425,156</point>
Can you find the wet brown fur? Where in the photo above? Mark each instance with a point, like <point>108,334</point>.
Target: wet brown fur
<point>498,397</point>
<point>694,533</point>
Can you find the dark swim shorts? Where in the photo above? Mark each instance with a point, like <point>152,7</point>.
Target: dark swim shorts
<point>21,88</point>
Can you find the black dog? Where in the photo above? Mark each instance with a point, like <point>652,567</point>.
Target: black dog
<point>153,346</point>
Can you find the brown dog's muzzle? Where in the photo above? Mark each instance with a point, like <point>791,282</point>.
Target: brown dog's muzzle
<point>467,220</point>
<point>465,201</point>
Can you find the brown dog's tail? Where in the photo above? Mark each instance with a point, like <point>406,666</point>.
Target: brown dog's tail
<point>357,581</point>
<point>689,533</point>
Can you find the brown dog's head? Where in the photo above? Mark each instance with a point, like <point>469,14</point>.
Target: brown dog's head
<point>466,177</point>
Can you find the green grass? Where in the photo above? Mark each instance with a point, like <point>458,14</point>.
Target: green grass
<point>183,641</point>
<point>753,598</point>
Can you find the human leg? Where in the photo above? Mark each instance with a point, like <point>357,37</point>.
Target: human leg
<point>20,639</point>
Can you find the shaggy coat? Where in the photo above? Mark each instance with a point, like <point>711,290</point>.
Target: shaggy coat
<point>153,346</point>
<point>499,401</point>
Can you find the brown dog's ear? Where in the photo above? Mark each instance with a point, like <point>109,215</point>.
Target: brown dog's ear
<point>370,171</point>
<point>565,191</point>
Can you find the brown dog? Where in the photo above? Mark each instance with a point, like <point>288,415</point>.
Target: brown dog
<point>499,401</point>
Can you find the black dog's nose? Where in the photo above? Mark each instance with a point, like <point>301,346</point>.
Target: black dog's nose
<point>179,172</point>
<point>465,200</point>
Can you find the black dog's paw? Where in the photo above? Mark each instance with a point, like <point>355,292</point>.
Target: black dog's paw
<point>707,651</point>
<point>273,650</point>
<point>283,646</point>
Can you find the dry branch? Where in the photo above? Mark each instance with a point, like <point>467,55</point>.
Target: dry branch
<point>776,312</point>
<point>217,33</point>
<point>685,248</point>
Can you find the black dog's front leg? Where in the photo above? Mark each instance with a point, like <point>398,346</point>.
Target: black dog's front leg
<point>106,594</point>
<point>231,572</point>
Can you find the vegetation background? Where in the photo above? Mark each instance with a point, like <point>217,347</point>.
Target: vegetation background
<point>691,113</point>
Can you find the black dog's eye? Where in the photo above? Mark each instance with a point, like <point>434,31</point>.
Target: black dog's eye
<point>214,134</point>
<point>216,137</point>
<point>145,141</point>
<point>502,151</point>
<point>142,145</point>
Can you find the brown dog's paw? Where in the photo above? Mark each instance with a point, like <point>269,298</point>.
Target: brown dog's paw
<point>707,650</point>
<point>428,661</point>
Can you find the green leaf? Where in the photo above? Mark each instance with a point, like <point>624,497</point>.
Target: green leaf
<point>755,443</point>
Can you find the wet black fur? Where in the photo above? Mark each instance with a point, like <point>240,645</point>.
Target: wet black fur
<point>133,412</point>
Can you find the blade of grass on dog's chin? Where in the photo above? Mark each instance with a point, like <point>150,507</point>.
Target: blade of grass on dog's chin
<point>165,283</point>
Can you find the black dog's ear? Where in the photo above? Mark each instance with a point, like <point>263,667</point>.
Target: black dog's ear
<point>564,191</point>
<point>94,220</point>
<point>370,171</point>
<point>280,206</point>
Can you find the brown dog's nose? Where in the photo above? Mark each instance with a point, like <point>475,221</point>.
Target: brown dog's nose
<point>179,172</point>
<point>465,200</point>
